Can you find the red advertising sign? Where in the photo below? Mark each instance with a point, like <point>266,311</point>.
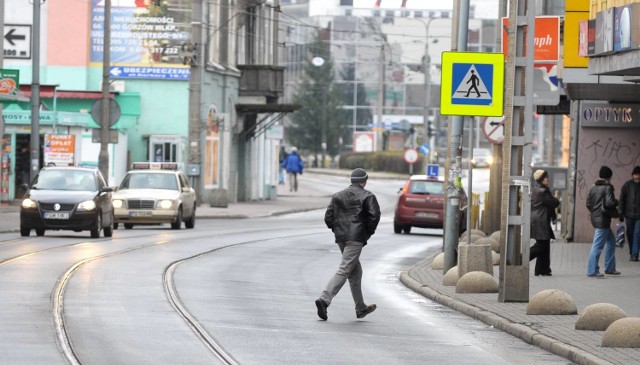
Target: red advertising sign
<point>546,44</point>
<point>59,149</point>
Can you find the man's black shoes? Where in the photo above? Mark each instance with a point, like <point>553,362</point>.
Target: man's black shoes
<point>322,309</point>
<point>363,313</point>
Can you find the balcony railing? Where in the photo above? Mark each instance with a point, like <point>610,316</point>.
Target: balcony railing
<point>261,80</point>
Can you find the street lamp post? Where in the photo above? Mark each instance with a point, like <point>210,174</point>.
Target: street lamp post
<point>426,65</point>
<point>319,62</point>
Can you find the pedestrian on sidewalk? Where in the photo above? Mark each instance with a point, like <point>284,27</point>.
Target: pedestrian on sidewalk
<point>603,206</point>
<point>353,216</point>
<point>294,166</point>
<point>629,210</point>
<point>543,211</point>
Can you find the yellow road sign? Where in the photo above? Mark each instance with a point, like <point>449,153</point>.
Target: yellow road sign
<point>472,84</point>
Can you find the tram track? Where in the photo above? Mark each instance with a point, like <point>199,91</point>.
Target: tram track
<point>63,339</point>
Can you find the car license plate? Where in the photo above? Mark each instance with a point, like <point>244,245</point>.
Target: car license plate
<point>56,215</point>
<point>142,213</point>
<point>426,215</point>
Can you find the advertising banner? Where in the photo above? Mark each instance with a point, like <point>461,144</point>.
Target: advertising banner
<point>546,39</point>
<point>9,82</point>
<point>576,29</point>
<point>146,37</point>
<point>59,149</point>
<point>622,28</point>
<point>604,31</point>
<point>364,141</point>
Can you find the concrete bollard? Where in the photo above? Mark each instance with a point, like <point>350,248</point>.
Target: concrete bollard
<point>598,317</point>
<point>451,277</point>
<point>495,257</point>
<point>495,235</point>
<point>624,332</point>
<point>476,282</point>
<point>219,198</point>
<point>495,246</point>
<point>438,262</point>
<point>552,302</point>
<point>475,258</point>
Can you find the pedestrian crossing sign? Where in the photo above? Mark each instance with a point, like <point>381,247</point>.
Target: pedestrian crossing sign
<point>472,84</point>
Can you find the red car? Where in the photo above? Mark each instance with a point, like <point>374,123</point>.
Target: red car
<point>421,204</point>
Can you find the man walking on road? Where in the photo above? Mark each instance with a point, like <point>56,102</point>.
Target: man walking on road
<point>603,206</point>
<point>629,210</point>
<point>353,216</point>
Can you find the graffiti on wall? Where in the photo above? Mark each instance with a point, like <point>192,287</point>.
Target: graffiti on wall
<point>616,148</point>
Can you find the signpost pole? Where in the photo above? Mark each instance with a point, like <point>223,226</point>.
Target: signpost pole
<point>35,95</point>
<point>103,157</point>
<point>453,187</point>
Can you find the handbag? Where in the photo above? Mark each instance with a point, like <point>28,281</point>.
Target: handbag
<point>620,235</point>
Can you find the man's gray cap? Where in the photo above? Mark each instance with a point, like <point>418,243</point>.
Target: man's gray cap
<point>358,175</point>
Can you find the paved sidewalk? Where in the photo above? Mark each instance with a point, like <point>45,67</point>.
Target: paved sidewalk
<point>556,334</point>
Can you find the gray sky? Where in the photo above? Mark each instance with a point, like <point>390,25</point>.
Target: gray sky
<point>484,8</point>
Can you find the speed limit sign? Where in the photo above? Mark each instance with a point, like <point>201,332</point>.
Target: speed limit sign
<point>411,155</point>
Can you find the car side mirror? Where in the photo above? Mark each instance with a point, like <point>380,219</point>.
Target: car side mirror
<point>106,189</point>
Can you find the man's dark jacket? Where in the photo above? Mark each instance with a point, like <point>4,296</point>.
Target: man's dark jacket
<point>602,204</point>
<point>543,205</point>
<point>353,214</point>
<point>630,200</point>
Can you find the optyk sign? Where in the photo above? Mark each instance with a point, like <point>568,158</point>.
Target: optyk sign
<point>608,115</point>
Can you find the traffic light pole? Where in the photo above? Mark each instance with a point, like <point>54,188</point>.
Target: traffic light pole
<point>35,96</point>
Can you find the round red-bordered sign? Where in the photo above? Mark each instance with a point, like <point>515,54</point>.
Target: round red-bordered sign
<point>411,155</point>
<point>493,129</point>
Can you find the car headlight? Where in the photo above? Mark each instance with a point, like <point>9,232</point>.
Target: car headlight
<point>87,205</point>
<point>117,204</point>
<point>490,160</point>
<point>28,203</point>
<point>165,204</point>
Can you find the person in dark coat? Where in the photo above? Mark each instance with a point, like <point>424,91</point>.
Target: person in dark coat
<point>353,216</point>
<point>603,206</point>
<point>294,166</point>
<point>543,205</point>
<point>629,210</point>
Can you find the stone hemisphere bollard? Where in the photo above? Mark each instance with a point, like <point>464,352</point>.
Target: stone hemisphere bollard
<point>597,317</point>
<point>438,262</point>
<point>624,332</point>
<point>451,277</point>
<point>495,245</point>
<point>495,258</point>
<point>476,282</point>
<point>474,238</point>
<point>477,232</point>
<point>495,235</point>
<point>552,302</point>
<point>474,258</point>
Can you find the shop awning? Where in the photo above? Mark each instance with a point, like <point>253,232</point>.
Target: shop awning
<point>48,92</point>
